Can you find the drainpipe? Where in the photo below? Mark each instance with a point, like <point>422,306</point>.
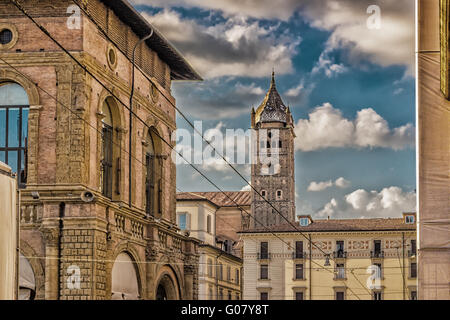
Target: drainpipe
<point>310,268</point>
<point>133,67</point>
<point>62,209</point>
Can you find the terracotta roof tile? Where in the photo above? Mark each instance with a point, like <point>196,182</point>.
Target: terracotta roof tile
<point>376,224</point>
<point>241,198</point>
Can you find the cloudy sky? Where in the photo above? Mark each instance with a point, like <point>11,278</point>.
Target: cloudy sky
<point>347,76</point>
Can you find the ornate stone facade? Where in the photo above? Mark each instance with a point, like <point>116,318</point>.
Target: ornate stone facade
<point>71,232</point>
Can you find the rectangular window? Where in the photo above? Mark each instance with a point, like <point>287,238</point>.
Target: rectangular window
<point>220,272</point>
<point>220,294</point>
<point>208,224</point>
<point>340,271</point>
<point>379,270</point>
<point>229,295</point>
<point>299,249</point>
<point>413,295</point>
<point>299,271</point>
<point>264,296</point>
<point>299,296</point>
<point>340,295</point>
<point>264,250</point>
<point>304,222</point>
<point>228,273</point>
<point>237,276</point>
<point>182,221</point>
<point>413,268</point>
<point>413,247</point>
<point>340,249</point>
<point>264,272</point>
<point>377,246</point>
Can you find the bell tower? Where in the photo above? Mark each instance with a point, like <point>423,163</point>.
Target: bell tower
<point>273,165</point>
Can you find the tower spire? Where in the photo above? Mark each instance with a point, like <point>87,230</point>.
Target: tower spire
<point>272,83</point>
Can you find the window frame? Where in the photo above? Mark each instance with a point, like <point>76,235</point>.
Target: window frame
<point>339,292</point>
<point>297,293</point>
<point>299,250</point>
<point>265,254</point>
<point>264,267</point>
<point>302,220</point>
<point>22,178</point>
<point>413,275</point>
<point>299,273</point>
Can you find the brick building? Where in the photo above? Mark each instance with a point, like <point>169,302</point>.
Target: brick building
<point>70,147</point>
<point>273,172</point>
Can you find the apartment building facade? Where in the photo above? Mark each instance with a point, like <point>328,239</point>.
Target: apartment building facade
<point>345,259</point>
<point>220,263</point>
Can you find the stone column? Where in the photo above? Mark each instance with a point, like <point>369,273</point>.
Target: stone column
<point>33,147</point>
<point>51,238</point>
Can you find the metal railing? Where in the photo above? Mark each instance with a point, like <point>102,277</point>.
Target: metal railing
<point>264,256</point>
<point>377,254</point>
<point>298,255</point>
<point>340,254</point>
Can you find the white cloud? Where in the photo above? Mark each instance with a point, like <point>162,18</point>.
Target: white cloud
<point>268,9</point>
<point>389,202</point>
<point>214,100</point>
<point>398,91</point>
<point>326,127</point>
<point>237,47</point>
<point>319,186</point>
<point>327,65</point>
<point>342,183</point>
<point>233,145</point>
<point>251,89</point>
<point>246,188</point>
<point>295,91</point>
<point>392,44</point>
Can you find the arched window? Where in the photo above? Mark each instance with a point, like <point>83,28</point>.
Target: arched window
<point>107,149</point>
<point>14,108</point>
<point>279,195</point>
<point>110,149</point>
<point>263,193</point>
<point>27,281</point>
<point>153,175</point>
<point>125,285</point>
